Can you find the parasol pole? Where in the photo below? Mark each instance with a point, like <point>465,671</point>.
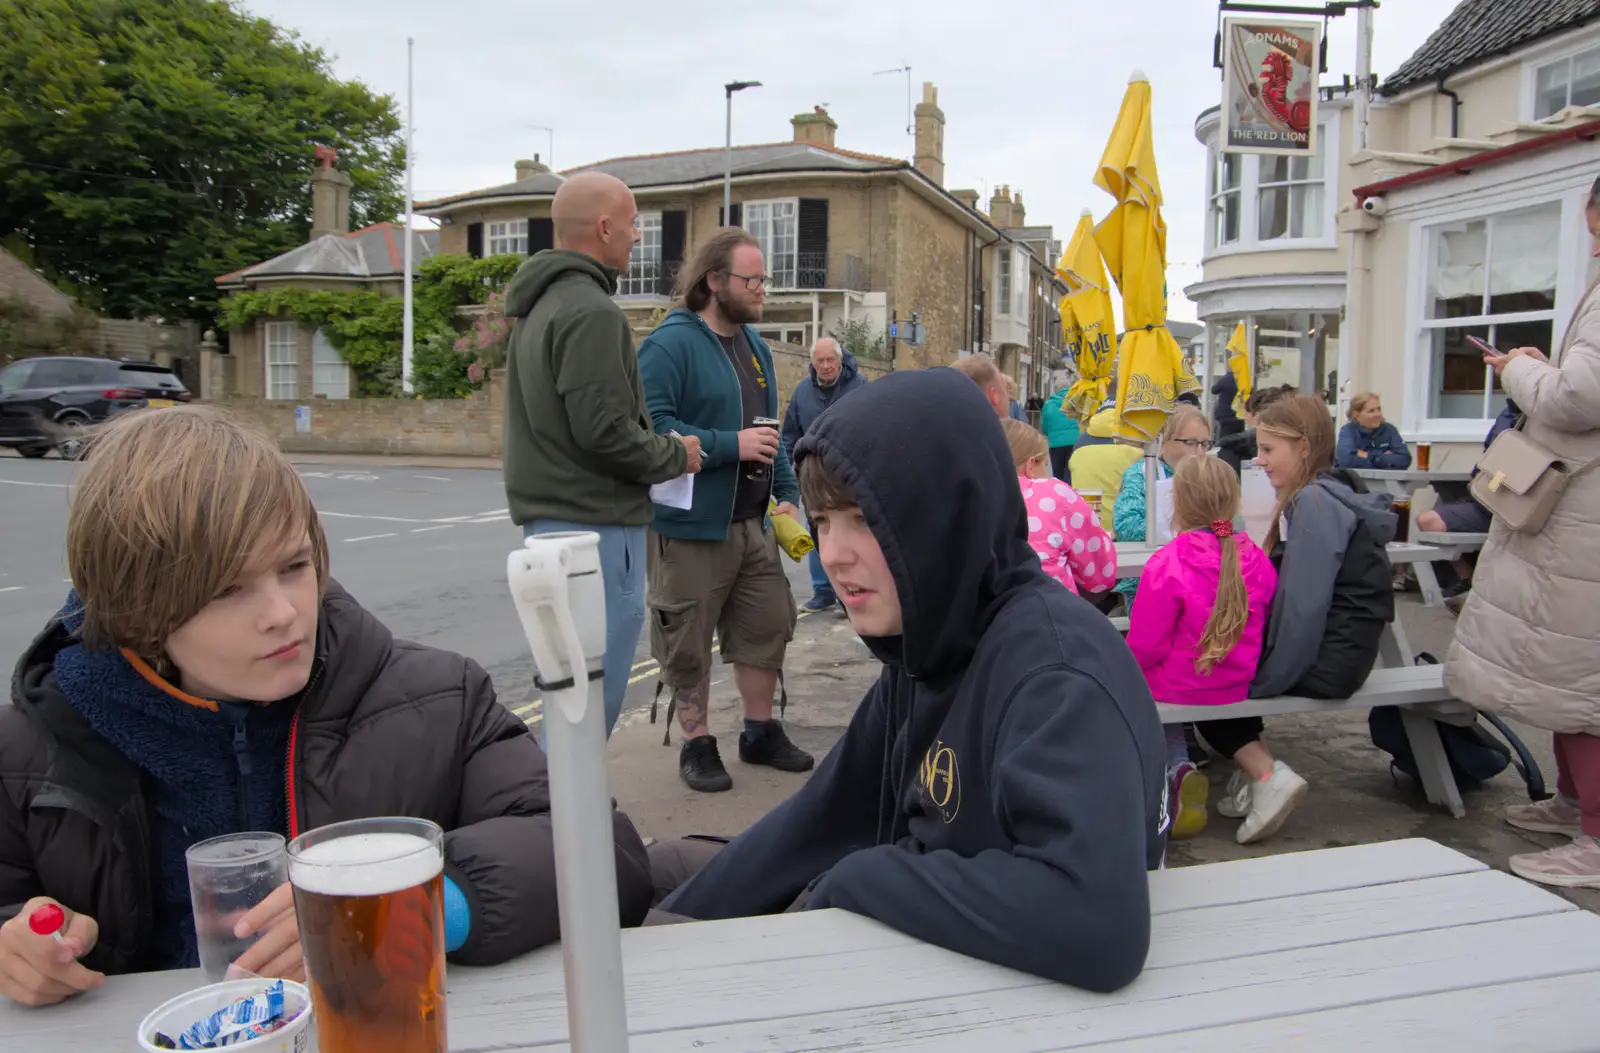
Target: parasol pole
<point>556,585</point>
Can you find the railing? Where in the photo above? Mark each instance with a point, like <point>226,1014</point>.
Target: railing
<point>810,271</point>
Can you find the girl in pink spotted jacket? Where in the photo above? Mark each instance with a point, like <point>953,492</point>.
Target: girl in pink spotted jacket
<point>1062,528</point>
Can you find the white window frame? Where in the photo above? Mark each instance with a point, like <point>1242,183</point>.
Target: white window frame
<point>1291,185</point>
<point>785,272</point>
<point>1419,382</point>
<point>504,237</point>
<point>1548,55</point>
<point>1215,193</point>
<point>1003,282</point>
<point>1328,145</point>
<point>276,338</point>
<point>786,334</point>
<point>638,281</point>
<point>330,373</point>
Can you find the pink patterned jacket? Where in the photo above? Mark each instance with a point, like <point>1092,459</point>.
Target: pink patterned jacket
<point>1066,533</point>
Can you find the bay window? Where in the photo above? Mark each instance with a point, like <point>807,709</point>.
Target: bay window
<point>1493,278</point>
<point>1269,202</point>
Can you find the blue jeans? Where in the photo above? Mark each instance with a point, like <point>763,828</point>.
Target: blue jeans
<point>622,569</point>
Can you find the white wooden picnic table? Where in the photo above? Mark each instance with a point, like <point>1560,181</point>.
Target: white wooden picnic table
<point>1133,555</point>
<point>1401,945</point>
<point>1403,482</point>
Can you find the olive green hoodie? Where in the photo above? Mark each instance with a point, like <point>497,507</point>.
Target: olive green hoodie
<point>578,443</point>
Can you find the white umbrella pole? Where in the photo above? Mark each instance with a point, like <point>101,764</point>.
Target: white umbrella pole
<point>1151,474</point>
<point>556,585</point>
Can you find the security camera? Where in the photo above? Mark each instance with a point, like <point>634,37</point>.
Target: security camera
<point>1375,206</point>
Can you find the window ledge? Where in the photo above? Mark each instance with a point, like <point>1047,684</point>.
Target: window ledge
<point>1239,248</point>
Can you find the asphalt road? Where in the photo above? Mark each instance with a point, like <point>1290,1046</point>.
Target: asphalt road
<point>422,548</point>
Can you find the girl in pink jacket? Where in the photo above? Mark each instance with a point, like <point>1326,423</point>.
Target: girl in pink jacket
<point>1063,529</point>
<point>1198,621</point>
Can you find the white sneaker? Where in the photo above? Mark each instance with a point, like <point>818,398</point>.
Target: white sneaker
<point>1271,802</point>
<point>1235,803</point>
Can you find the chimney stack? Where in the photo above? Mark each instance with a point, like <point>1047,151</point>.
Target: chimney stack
<point>929,156</point>
<point>815,127</point>
<point>966,197</point>
<point>330,197</point>
<point>1000,207</point>
<point>1018,213</point>
<point>528,169</point>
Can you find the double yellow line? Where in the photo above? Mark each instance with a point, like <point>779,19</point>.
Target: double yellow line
<point>529,711</point>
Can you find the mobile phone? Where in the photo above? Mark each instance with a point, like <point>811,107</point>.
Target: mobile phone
<point>1488,349</point>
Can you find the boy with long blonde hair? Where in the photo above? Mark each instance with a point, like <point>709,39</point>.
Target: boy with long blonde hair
<point>206,676</point>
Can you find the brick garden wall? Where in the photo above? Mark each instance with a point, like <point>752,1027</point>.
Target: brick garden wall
<point>434,427</point>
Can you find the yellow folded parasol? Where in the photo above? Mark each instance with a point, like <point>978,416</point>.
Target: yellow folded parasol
<point>1088,328</point>
<point>1151,371</point>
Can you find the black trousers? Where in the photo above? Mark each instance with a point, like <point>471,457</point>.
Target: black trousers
<point>1059,456</point>
<point>1230,735</point>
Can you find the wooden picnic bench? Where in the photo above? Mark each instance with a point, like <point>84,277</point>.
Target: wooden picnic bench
<point>1448,545</point>
<point>1400,945</point>
<point>1418,691</point>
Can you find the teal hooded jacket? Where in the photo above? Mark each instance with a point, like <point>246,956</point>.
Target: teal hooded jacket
<point>690,388</point>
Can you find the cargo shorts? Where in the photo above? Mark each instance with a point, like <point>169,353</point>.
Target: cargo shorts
<point>735,587</point>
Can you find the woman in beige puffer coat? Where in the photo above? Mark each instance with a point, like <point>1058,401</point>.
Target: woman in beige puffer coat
<point>1528,643</point>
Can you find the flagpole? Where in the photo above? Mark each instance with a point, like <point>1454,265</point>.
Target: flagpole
<point>408,330</point>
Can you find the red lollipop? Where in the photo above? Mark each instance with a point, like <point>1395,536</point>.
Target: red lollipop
<point>47,921</point>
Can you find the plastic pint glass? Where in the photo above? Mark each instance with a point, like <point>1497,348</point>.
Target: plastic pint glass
<point>369,895</point>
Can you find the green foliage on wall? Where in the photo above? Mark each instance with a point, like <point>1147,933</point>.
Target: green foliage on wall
<point>366,328</point>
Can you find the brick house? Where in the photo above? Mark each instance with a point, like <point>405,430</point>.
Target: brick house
<point>848,236</point>
<point>280,358</point>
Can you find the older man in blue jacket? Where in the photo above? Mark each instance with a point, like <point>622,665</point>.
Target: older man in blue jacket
<point>833,375</point>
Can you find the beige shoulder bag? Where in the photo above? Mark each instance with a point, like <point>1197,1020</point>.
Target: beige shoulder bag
<point>1518,480</point>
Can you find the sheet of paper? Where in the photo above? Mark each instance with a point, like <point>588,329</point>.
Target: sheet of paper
<point>674,493</point>
<point>1164,532</point>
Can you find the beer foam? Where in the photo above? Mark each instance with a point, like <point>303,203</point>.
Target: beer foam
<point>365,865</point>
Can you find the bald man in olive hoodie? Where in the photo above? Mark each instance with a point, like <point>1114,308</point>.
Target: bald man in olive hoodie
<point>579,450</point>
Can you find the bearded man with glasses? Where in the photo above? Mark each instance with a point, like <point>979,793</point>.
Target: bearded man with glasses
<point>715,566</point>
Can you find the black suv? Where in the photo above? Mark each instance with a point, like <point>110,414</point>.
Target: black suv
<point>45,403</point>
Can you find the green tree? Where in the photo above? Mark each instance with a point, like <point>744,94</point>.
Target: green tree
<point>149,146</point>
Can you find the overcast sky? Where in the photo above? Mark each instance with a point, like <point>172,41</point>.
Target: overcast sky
<point>1029,88</point>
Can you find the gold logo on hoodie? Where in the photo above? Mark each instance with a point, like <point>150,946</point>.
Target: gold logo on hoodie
<point>940,781</point>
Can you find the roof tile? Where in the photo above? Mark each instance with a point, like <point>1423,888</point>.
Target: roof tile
<point>1483,29</point>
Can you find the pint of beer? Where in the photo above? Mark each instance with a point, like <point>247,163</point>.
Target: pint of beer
<point>369,895</point>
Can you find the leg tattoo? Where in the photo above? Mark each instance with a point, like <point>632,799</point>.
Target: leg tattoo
<point>691,707</point>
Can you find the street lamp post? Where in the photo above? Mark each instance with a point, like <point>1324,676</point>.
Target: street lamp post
<point>727,171</point>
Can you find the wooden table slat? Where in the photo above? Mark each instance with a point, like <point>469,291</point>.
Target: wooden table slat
<point>1041,1018</point>
<point>1559,1015</point>
<point>1305,873</point>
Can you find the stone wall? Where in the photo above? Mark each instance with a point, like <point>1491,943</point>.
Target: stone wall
<point>468,427</point>
<point>406,427</point>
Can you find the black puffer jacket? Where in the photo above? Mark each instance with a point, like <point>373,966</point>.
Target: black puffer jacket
<point>385,727</point>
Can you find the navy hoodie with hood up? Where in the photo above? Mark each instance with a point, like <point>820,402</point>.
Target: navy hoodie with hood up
<point>1000,790</point>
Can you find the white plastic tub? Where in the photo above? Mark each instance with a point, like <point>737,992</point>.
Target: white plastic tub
<point>178,1014</point>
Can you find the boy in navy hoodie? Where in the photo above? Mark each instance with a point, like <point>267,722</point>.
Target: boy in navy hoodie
<point>1000,790</point>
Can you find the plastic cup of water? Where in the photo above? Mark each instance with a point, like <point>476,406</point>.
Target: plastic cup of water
<point>228,876</point>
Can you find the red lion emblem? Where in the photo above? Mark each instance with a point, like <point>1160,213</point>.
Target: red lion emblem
<point>1275,78</point>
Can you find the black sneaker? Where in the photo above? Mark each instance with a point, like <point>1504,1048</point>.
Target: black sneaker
<point>774,749</point>
<point>701,765</point>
